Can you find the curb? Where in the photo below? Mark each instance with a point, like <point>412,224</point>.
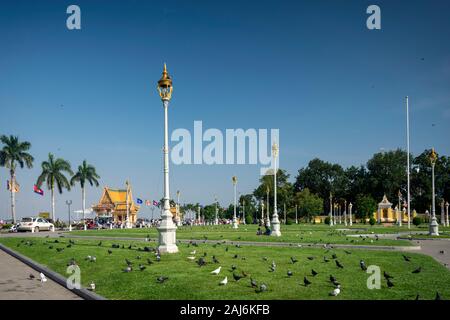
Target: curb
<point>83,293</point>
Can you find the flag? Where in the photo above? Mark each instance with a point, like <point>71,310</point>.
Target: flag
<point>155,203</point>
<point>147,202</point>
<point>139,201</point>
<point>38,190</point>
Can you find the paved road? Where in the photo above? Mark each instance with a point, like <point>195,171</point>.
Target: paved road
<point>15,284</point>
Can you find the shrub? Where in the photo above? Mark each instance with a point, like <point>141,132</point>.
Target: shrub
<point>417,221</point>
<point>372,221</point>
<point>6,226</point>
<point>327,220</point>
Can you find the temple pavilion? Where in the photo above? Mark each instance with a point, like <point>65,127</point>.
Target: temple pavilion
<point>114,203</point>
<point>385,213</point>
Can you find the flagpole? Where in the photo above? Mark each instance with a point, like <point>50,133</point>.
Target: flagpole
<point>407,162</point>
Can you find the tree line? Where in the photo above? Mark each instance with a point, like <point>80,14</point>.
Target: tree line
<point>56,173</point>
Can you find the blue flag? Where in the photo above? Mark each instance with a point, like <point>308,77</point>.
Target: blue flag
<point>139,201</point>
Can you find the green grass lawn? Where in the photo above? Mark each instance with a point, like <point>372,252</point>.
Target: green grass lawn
<point>189,281</point>
<point>302,233</point>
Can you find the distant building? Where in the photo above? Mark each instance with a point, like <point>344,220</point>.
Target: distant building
<point>113,203</point>
<point>385,213</point>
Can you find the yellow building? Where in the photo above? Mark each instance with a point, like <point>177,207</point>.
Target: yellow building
<point>113,202</point>
<point>385,213</point>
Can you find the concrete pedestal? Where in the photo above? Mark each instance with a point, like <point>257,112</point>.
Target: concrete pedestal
<point>275,226</point>
<point>434,227</point>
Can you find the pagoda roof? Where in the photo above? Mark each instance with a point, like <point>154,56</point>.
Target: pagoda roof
<point>116,200</point>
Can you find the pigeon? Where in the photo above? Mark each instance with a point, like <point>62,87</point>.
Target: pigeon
<point>50,247</point>
<point>100,244</point>
<point>43,278</point>
<point>417,270</point>
<point>109,251</point>
<point>233,267</point>
<point>129,247</point>
<point>332,278</point>
<point>161,279</point>
<point>306,281</point>
<point>314,272</point>
<point>294,260</point>
<point>417,297</point>
<point>92,286</point>
<point>142,267</point>
<point>273,264</point>
<point>272,269</point>
<point>128,262</point>
<point>347,252</point>
<point>201,262</point>
<point>325,259</point>
<point>310,258</point>
<point>363,266</point>
<point>93,259</point>
<point>245,274</point>
<point>158,258</point>
<point>149,261</point>
<point>128,269</point>
<point>235,256</point>
<point>389,283</point>
<point>138,257</point>
<point>438,296</point>
<point>265,258</point>
<point>216,271</point>
<point>387,275</point>
<point>334,256</point>
<point>215,259</point>
<point>442,252</point>
<point>224,282</point>
<point>406,258</point>
<point>193,252</point>
<point>336,291</point>
<point>191,258</point>
<point>31,276</point>
<point>262,288</point>
<point>253,283</point>
<point>59,249</point>
<point>236,276</point>
<point>69,246</point>
<point>289,273</point>
<point>339,265</point>
<point>205,254</point>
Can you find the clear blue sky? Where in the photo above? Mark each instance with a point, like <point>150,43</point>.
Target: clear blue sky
<point>310,68</point>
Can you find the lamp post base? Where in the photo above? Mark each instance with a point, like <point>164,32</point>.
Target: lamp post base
<point>276,227</point>
<point>434,227</point>
<point>167,239</point>
<point>235,224</point>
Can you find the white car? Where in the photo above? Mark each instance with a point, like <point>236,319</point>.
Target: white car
<point>35,225</point>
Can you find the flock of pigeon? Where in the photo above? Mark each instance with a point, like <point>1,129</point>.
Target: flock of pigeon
<point>237,276</point>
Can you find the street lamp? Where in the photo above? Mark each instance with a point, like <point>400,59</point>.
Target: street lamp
<point>216,220</point>
<point>446,210</point>
<point>167,229</point>
<point>235,224</point>
<point>296,220</point>
<point>261,223</point>
<point>399,222</point>
<point>345,212</point>
<point>408,168</point>
<point>331,210</point>
<point>69,202</point>
<point>268,206</point>
<point>350,206</point>
<point>442,212</point>
<point>434,227</point>
<point>275,222</point>
<point>178,216</point>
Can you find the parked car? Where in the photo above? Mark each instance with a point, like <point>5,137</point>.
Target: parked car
<point>35,224</point>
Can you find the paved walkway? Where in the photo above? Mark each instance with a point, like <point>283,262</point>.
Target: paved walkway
<point>16,285</point>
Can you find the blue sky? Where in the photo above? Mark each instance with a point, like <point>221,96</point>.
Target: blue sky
<point>310,68</point>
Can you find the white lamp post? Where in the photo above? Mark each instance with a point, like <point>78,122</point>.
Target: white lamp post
<point>446,209</point>
<point>235,224</point>
<point>399,222</point>
<point>243,212</point>
<point>350,206</point>
<point>69,202</point>
<point>442,213</point>
<point>268,206</point>
<point>127,223</point>
<point>434,226</point>
<point>262,213</point>
<point>296,220</point>
<point>167,229</point>
<point>275,222</point>
<point>407,163</point>
<point>345,212</point>
<point>216,220</point>
<point>331,210</point>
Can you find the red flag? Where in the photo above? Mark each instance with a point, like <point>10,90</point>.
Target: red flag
<point>38,190</point>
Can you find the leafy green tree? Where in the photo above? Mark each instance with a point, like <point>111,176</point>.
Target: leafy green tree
<point>86,174</point>
<point>365,206</point>
<point>53,172</point>
<point>13,153</point>
<point>247,204</point>
<point>308,204</point>
<point>387,174</point>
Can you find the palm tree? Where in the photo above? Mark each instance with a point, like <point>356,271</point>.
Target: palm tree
<point>52,172</point>
<point>14,152</point>
<point>85,173</point>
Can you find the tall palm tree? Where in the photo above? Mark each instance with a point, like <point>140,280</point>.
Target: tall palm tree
<point>53,172</point>
<point>85,173</point>
<point>14,152</point>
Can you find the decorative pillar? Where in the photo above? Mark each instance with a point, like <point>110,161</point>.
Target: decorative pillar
<point>275,222</point>
<point>446,209</point>
<point>350,206</point>
<point>216,220</point>
<point>399,222</point>
<point>235,224</point>
<point>434,226</point>
<point>167,229</point>
<point>345,212</point>
<point>261,222</point>
<point>331,210</point>
<point>268,206</point>
<point>442,213</point>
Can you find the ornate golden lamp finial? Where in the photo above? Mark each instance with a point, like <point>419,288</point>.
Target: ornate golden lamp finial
<point>275,149</point>
<point>433,156</point>
<point>234,179</point>
<point>165,85</point>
